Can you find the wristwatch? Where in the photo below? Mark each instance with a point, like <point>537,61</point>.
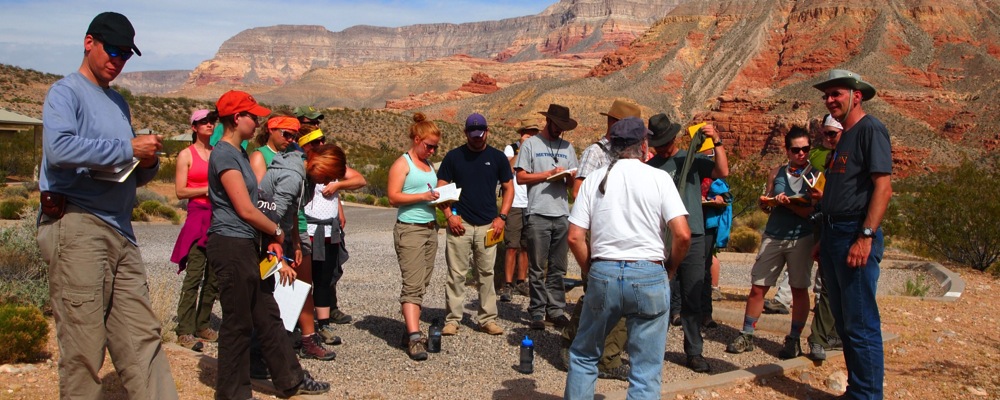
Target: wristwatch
<point>867,233</point>
<point>717,142</point>
<point>503,217</point>
<point>277,231</point>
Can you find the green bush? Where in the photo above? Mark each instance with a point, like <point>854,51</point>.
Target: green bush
<point>167,171</point>
<point>744,239</point>
<point>370,199</point>
<point>23,332</point>
<point>143,195</point>
<point>151,208</point>
<point>916,287</point>
<point>16,191</point>
<point>23,274</point>
<point>952,215</point>
<point>383,201</point>
<point>755,220</point>
<point>350,198</point>
<point>12,208</point>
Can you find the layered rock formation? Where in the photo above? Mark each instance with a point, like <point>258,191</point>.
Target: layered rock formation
<point>580,28</point>
<point>152,82</point>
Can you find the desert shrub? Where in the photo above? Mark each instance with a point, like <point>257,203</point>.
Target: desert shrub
<point>23,332</point>
<point>350,198</point>
<point>143,195</point>
<point>370,199</point>
<point>755,220</point>
<point>952,215</point>
<point>744,239</point>
<point>23,274</point>
<point>12,208</point>
<point>151,208</point>
<point>167,171</point>
<point>747,178</point>
<point>383,201</point>
<point>21,191</point>
<point>916,287</point>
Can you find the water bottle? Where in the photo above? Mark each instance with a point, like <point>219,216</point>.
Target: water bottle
<point>434,337</point>
<point>527,365</point>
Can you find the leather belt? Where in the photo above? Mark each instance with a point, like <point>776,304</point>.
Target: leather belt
<point>657,262</point>
<point>428,225</point>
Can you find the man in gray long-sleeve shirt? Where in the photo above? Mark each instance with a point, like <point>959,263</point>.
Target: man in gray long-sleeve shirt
<point>97,279</point>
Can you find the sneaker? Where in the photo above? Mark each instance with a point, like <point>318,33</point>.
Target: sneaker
<point>326,332</point>
<point>522,288</point>
<point>450,329</point>
<point>742,344</point>
<point>417,349</point>
<point>258,370</point>
<point>559,322</point>
<point>791,349</point>
<point>491,328</point>
<point>505,293</point>
<point>312,348</point>
<point>309,386</point>
<point>675,320</point>
<point>190,343</point>
<point>338,317</point>
<point>834,343</point>
<point>698,364</point>
<point>537,324</point>
<point>716,293</point>
<point>208,335</point>
<point>816,352</point>
<point>620,372</point>
<point>775,307</point>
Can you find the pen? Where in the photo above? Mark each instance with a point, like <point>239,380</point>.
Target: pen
<point>284,257</point>
<point>430,187</point>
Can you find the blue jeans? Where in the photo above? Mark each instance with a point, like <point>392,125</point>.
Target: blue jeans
<point>639,292</point>
<point>851,293</point>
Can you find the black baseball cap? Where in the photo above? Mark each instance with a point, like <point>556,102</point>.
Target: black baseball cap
<point>114,29</point>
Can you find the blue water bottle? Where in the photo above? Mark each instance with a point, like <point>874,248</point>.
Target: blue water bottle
<point>527,365</point>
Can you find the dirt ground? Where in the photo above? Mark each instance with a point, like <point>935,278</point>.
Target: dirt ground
<point>946,350</point>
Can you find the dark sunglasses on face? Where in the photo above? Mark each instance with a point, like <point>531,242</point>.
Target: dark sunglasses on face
<point>834,94</point>
<point>289,135</point>
<point>204,121</point>
<point>430,146</point>
<point>114,51</point>
<point>831,133</point>
<point>795,150</point>
<point>247,114</point>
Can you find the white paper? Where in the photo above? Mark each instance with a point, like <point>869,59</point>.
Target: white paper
<point>117,173</point>
<point>561,175</point>
<point>290,299</point>
<point>447,193</point>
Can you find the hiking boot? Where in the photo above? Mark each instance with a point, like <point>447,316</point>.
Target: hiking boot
<point>309,386</point>
<point>775,307</point>
<point>559,322</point>
<point>417,349</point>
<point>450,329</point>
<point>491,328</point>
<point>537,324</point>
<point>742,344</point>
<point>326,332</point>
<point>816,352</point>
<point>312,347</point>
<point>698,364</point>
<point>190,343</point>
<point>834,343</point>
<point>716,293</point>
<point>791,349</point>
<point>620,372</point>
<point>675,320</point>
<point>208,335</point>
<point>338,317</point>
<point>522,288</point>
<point>506,293</point>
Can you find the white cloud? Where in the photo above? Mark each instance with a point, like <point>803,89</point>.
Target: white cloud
<point>46,35</point>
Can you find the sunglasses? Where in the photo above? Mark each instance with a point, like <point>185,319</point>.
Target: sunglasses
<point>831,133</point>
<point>114,51</point>
<point>247,114</point>
<point>795,150</point>
<point>289,135</point>
<point>833,94</point>
<point>431,147</point>
<point>204,121</point>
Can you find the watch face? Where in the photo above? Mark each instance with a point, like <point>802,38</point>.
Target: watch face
<point>868,232</point>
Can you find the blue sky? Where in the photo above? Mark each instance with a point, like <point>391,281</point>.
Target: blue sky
<point>47,35</point>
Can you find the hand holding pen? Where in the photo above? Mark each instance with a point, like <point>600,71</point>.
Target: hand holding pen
<point>432,194</point>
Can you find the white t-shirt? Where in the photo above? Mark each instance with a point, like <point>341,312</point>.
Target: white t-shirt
<point>626,222</point>
<point>322,207</point>
<point>520,191</point>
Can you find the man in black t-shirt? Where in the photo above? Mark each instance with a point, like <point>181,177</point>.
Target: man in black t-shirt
<point>856,195</point>
<point>475,168</point>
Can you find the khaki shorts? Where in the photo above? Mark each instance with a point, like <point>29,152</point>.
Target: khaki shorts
<point>512,237</point>
<point>774,254</point>
<point>416,248</point>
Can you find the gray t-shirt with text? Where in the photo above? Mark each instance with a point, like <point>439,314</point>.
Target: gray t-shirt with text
<point>537,154</point>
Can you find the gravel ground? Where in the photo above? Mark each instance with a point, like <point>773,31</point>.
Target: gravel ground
<point>472,365</point>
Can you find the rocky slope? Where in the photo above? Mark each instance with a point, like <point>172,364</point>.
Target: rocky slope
<point>749,66</point>
<point>581,28</point>
<point>152,82</point>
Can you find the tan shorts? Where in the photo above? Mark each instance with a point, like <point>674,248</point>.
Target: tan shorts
<point>416,248</point>
<point>512,237</point>
<point>774,254</point>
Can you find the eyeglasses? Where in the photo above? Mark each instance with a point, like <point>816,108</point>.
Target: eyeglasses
<point>114,51</point>
<point>289,135</point>
<point>795,150</point>
<point>831,133</point>
<point>430,147</point>
<point>833,93</point>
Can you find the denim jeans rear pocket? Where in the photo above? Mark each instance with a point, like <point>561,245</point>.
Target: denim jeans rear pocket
<point>597,292</point>
<point>651,297</point>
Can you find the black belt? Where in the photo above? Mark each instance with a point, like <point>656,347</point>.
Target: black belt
<point>832,219</point>
<point>657,262</point>
<point>428,225</point>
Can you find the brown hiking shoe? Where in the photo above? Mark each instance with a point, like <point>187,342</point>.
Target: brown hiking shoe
<point>449,329</point>
<point>312,347</point>
<point>491,328</point>
<point>190,343</point>
<point>417,349</point>
<point>208,335</point>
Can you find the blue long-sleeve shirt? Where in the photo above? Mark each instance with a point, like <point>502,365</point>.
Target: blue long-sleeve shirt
<point>87,126</point>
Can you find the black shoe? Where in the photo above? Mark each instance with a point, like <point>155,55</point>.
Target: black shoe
<point>537,324</point>
<point>775,307</point>
<point>834,343</point>
<point>791,349</point>
<point>709,323</point>
<point>505,293</point>
<point>310,386</point>
<point>559,322</point>
<point>698,364</point>
<point>816,352</point>
<point>620,372</point>
<point>338,317</point>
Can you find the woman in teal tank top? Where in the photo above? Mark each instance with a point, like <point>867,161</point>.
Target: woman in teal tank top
<point>411,179</point>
